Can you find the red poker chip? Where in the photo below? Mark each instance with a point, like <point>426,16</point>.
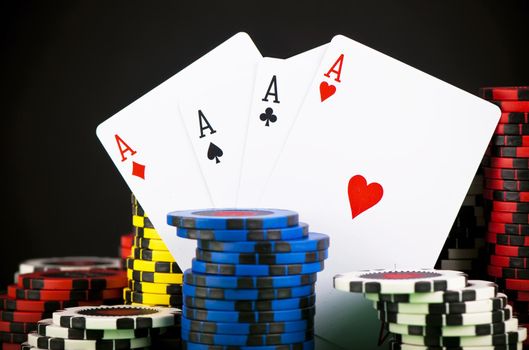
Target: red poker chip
<point>511,251</point>
<point>510,207</point>
<point>510,229</point>
<point>509,163</point>
<point>512,129</point>
<point>514,152</point>
<point>513,284</point>
<point>7,337</point>
<point>11,346</point>
<point>507,185</point>
<point>510,140</point>
<point>61,295</point>
<point>507,272</point>
<point>506,196</point>
<point>517,295</point>
<point>512,240</point>
<point>48,306</point>
<point>508,261</point>
<point>512,106</point>
<point>509,218</point>
<point>125,252</point>
<point>506,174</point>
<point>74,280</point>
<point>17,327</point>
<point>23,316</point>
<point>127,240</point>
<point>505,93</point>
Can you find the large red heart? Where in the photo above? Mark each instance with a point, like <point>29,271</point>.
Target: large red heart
<point>363,196</point>
<point>326,90</point>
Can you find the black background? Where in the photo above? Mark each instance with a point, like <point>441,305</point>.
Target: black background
<point>67,66</point>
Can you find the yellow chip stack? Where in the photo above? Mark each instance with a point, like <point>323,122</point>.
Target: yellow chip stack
<point>155,278</point>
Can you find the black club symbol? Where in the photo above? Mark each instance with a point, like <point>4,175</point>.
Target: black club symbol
<point>268,116</point>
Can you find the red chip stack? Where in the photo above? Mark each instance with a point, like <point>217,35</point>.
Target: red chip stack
<point>506,172</point>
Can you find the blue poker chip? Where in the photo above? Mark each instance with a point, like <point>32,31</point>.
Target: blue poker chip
<point>307,345</point>
<point>313,242</point>
<point>261,258</point>
<point>256,270</point>
<point>271,234</point>
<point>233,219</point>
<point>247,282</point>
<point>246,328</point>
<point>247,294</point>
<point>249,316</point>
<point>247,340</point>
<point>250,305</point>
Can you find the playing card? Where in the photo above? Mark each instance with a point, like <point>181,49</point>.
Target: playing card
<point>216,122</point>
<point>149,145</point>
<point>380,158</point>
<point>280,86</point>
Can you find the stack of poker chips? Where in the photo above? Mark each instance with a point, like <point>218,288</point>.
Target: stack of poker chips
<point>506,170</point>
<point>437,309</point>
<point>464,249</point>
<point>252,282</point>
<point>36,295</point>
<point>103,327</point>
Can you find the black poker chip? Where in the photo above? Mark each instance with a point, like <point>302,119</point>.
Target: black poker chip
<point>515,240</point>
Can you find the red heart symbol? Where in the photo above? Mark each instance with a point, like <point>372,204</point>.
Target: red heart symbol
<point>326,90</point>
<point>361,195</point>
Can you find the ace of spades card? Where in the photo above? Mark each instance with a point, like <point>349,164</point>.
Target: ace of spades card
<point>380,158</point>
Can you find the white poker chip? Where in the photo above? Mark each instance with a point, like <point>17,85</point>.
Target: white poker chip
<point>483,340</point>
<point>69,263</point>
<point>398,346</point>
<point>117,317</point>
<point>447,320</point>
<point>475,290</point>
<point>47,328</point>
<point>400,281</point>
<point>41,342</point>
<point>510,325</point>
<point>466,307</point>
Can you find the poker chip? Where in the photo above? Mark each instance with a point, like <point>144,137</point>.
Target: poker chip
<point>314,242</point>
<point>247,282</point>
<point>514,152</point>
<point>399,346</point>
<point>509,261</point>
<point>447,320</point>
<point>509,163</point>
<point>247,294</point>
<point>474,290</point>
<point>152,244</point>
<point>458,264</point>
<point>510,141</point>
<point>508,93</point>
<point>42,342</point>
<point>246,340</point>
<point>69,263</point>
<point>62,295</point>
<point>511,207</point>
<point>17,327</point>
<point>246,328</point>
<point>492,304</point>
<point>7,337</point>
<point>508,196</point>
<point>513,284</point>
<point>155,288</point>
<point>460,253</point>
<point>400,281</point>
<point>124,252</point>
<point>259,258</point>
<point>152,266</point>
<point>248,316</point>
<point>514,240</point>
<point>507,185</point>
<point>308,345</point>
<point>155,277</point>
<point>45,305</point>
<point>512,106</point>
<point>151,255</point>
<point>173,300</point>
<point>141,221</point>
<point>275,234</point>
<point>233,219</point>
<point>127,240</point>
<point>74,280</point>
<point>455,331</point>
<point>510,251</point>
<point>47,328</point>
<point>250,305</point>
<point>116,317</point>
<point>509,218</point>
<point>484,340</point>
<point>146,232</point>
<point>137,209</point>
<point>511,229</point>
<point>23,316</point>
<point>256,270</point>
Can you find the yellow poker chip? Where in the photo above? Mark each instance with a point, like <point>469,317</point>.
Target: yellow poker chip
<point>152,266</point>
<point>146,232</point>
<point>141,221</point>
<point>152,244</point>
<point>155,288</point>
<point>151,255</point>
<point>155,277</point>
<point>152,299</point>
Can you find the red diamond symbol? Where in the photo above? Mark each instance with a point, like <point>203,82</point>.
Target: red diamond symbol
<point>138,170</point>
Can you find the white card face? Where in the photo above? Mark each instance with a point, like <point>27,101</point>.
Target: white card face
<point>416,140</point>
<point>160,166</point>
<point>280,86</point>
<point>216,122</point>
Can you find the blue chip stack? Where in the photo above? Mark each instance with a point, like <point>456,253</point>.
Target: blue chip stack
<point>252,282</point>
